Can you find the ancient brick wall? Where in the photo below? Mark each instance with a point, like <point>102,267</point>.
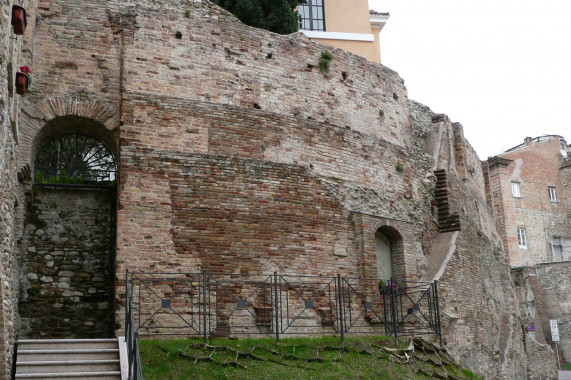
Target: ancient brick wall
<point>236,154</point>
<point>255,133</point>
<point>476,272</point>
<point>67,264</point>
<point>76,71</point>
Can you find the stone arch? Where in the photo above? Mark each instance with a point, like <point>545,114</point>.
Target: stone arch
<point>389,250</point>
<point>38,121</point>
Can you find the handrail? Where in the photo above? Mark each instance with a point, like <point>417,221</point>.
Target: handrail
<point>131,336</point>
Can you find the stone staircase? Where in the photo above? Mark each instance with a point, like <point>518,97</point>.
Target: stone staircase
<point>64,359</point>
<point>446,222</point>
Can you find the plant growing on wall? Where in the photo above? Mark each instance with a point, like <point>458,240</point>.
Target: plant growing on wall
<point>278,16</point>
<point>325,61</point>
<point>61,178</point>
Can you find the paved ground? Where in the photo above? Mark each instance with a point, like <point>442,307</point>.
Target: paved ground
<point>564,375</point>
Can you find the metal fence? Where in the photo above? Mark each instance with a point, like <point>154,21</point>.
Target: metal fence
<point>210,305</point>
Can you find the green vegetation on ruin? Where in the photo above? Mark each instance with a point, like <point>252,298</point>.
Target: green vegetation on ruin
<point>297,358</point>
<point>278,16</point>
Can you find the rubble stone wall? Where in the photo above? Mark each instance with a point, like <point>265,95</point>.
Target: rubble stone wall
<point>66,284</point>
<point>12,55</point>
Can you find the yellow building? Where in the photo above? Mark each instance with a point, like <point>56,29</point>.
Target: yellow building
<point>345,24</point>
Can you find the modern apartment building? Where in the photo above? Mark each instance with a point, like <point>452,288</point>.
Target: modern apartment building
<point>352,27</point>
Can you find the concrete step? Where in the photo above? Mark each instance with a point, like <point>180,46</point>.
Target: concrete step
<point>111,375</point>
<point>61,344</point>
<point>68,366</point>
<point>81,354</point>
<point>68,359</point>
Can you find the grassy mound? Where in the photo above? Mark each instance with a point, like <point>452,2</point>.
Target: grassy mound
<point>300,358</point>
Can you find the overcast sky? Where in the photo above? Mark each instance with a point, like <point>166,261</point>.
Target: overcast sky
<point>502,68</point>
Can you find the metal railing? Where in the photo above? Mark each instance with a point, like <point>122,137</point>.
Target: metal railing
<point>210,305</point>
<point>131,334</point>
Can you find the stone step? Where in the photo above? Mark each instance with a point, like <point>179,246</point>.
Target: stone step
<point>80,354</point>
<point>107,375</point>
<point>61,344</point>
<point>68,366</point>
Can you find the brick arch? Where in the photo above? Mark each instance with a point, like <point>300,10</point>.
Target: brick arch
<point>35,117</point>
<point>397,250</point>
<point>401,237</point>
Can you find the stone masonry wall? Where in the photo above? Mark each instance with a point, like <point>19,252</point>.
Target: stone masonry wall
<point>67,268</point>
<point>12,55</point>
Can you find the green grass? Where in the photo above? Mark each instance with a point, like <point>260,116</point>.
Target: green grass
<point>299,358</point>
<point>567,367</point>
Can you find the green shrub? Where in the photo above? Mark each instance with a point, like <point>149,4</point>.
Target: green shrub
<point>325,61</point>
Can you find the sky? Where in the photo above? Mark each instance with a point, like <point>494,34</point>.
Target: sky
<point>501,68</point>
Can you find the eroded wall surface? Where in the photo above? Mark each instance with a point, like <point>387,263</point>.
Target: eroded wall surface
<point>481,320</point>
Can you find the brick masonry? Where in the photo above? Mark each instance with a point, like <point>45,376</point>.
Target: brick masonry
<point>542,275</point>
<point>237,155</point>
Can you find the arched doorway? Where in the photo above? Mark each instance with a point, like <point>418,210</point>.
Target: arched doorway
<point>384,257</point>
<point>68,249</point>
<point>389,252</point>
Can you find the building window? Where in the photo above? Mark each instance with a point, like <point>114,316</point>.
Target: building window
<point>311,15</point>
<point>557,249</point>
<point>521,238</point>
<point>552,194</point>
<point>516,190</point>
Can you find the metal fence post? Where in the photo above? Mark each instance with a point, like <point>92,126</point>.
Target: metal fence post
<point>277,307</point>
<point>393,297</point>
<point>439,327</point>
<point>204,338</point>
<point>340,295</point>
